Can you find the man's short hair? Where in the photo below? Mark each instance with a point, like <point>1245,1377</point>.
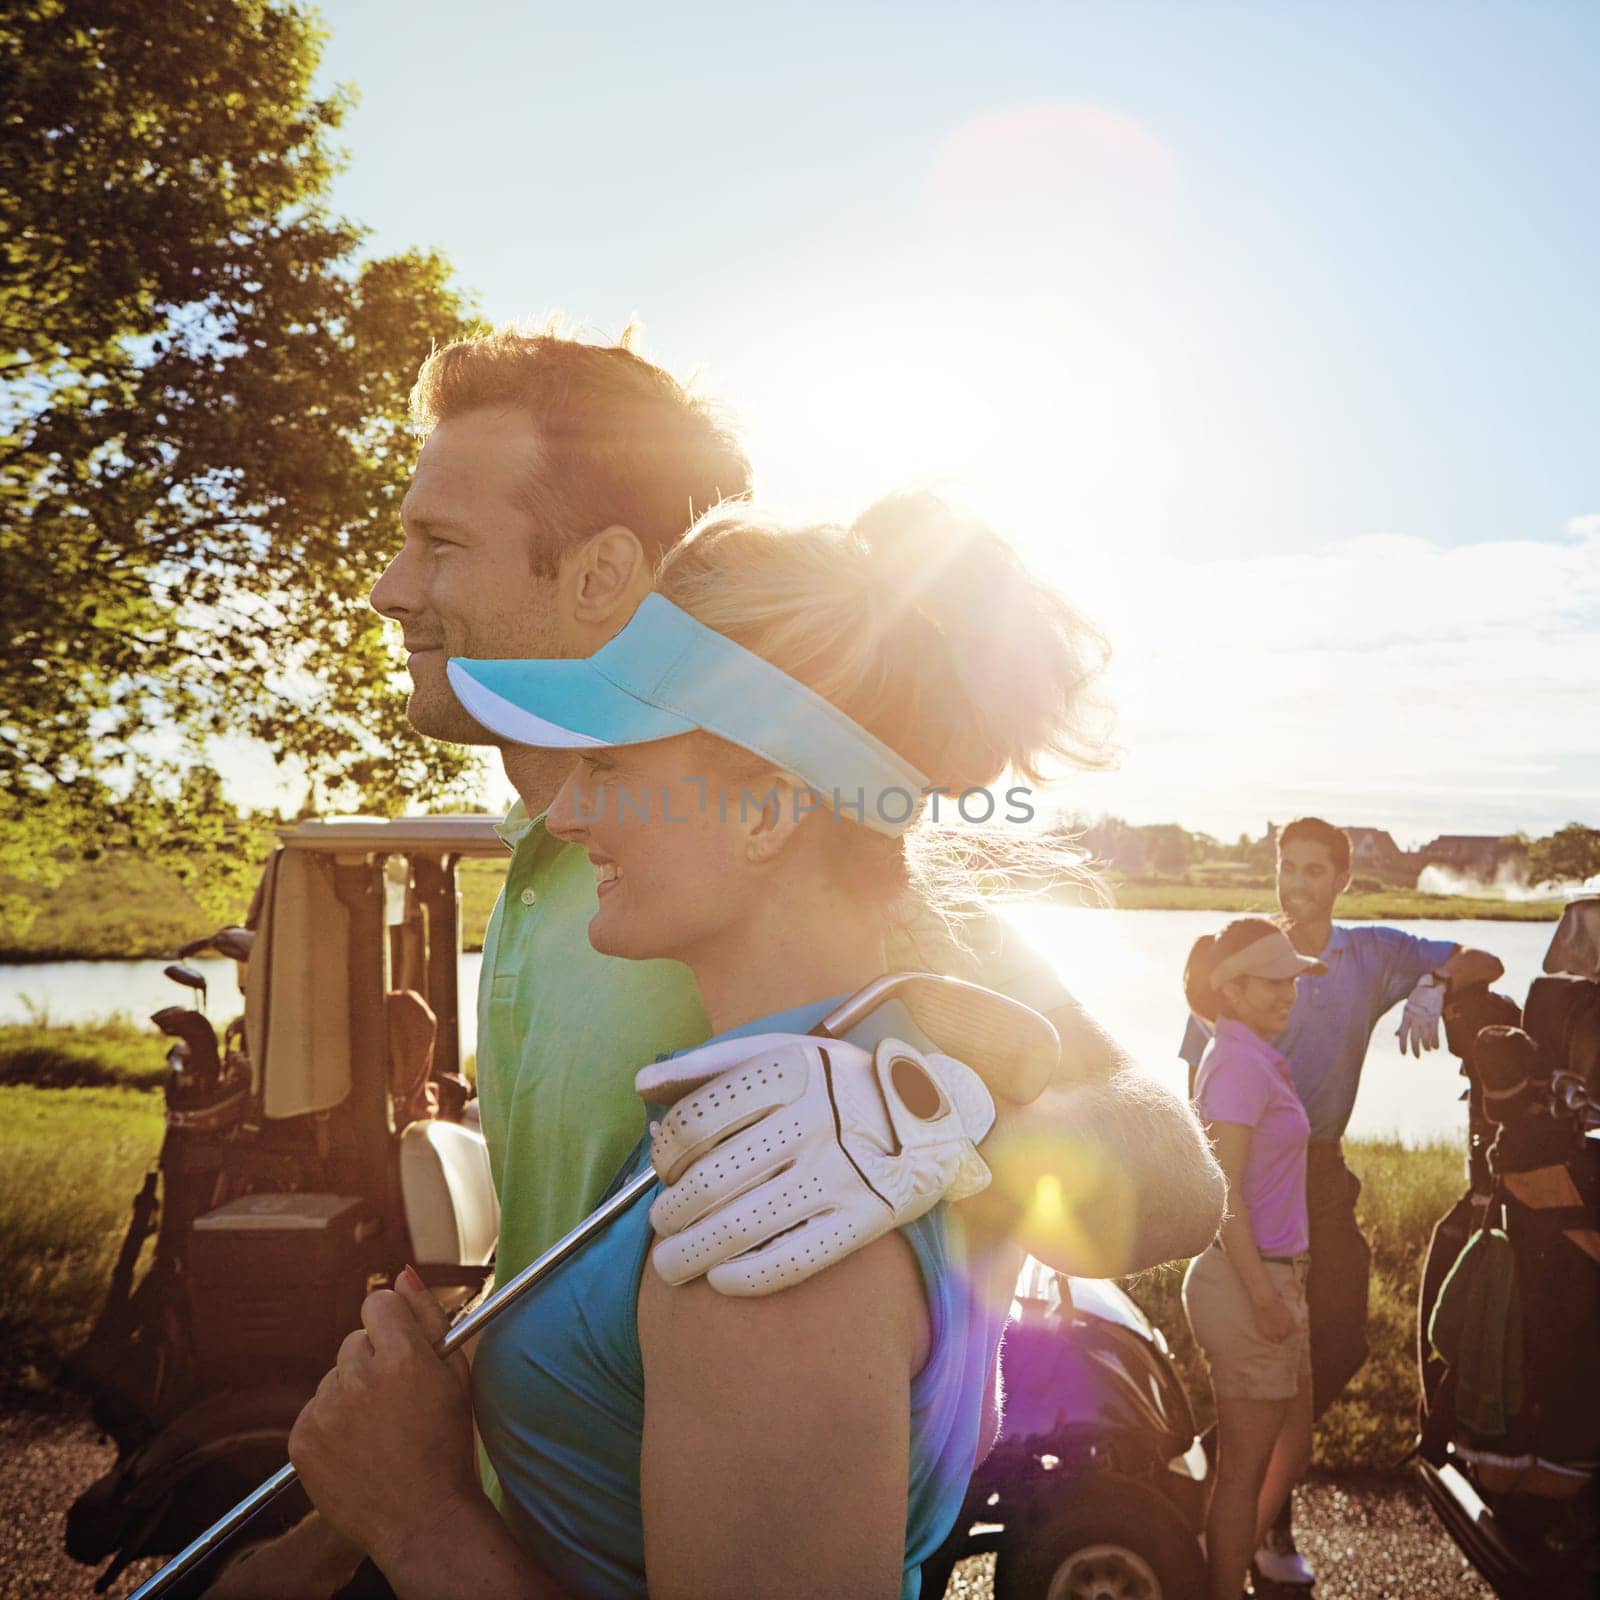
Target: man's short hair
<point>624,442</point>
<point>1315,831</point>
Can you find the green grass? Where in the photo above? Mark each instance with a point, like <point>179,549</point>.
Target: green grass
<point>155,912</point>
<point>73,1161</point>
<point>87,1056</point>
<point>478,879</point>
<point>119,906</point>
<point>1404,1192</point>
<point>74,1157</point>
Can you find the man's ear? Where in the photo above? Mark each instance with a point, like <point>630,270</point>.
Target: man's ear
<point>772,805</point>
<point>607,576</point>
<point>1340,887</point>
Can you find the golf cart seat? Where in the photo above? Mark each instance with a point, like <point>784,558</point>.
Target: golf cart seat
<point>451,1211</point>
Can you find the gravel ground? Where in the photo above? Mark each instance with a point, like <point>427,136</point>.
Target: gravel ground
<point>48,1455</point>
<point>1371,1539</point>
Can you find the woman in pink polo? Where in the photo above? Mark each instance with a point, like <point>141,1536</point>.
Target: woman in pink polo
<point>1246,1295</point>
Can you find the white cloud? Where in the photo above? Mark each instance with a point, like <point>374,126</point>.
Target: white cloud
<point>1585,527</point>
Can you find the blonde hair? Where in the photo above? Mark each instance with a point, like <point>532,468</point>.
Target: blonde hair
<point>923,625</point>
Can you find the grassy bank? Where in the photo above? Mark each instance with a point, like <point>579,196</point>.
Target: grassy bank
<point>1378,905</point>
<point>74,1153</point>
<point>101,1055</point>
<point>155,912</point>
<point>73,1160</point>
<point>1403,1193</point>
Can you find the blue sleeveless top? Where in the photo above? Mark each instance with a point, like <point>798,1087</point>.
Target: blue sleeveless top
<point>558,1393</point>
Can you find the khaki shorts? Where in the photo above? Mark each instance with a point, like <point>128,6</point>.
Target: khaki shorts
<point>1244,1364</point>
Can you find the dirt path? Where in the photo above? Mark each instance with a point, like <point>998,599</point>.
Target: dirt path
<point>1371,1539</point>
<point>48,1456</point>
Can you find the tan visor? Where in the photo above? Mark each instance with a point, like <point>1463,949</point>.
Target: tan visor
<point>1270,956</point>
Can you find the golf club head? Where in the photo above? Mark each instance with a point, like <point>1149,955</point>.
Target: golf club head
<point>235,943</point>
<point>198,1038</point>
<point>167,1019</point>
<point>185,976</point>
<point>1009,1045</point>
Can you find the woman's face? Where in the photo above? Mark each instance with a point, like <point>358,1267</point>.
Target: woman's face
<point>664,827</point>
<point>1262,1004</point>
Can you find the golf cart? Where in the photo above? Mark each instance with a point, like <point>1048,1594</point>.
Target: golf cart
<point>1509,1446</point>
<point>1097,1485</point>
<point>326,1144</point>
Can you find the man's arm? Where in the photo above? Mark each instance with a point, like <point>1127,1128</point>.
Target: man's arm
<point>1108,1172</point>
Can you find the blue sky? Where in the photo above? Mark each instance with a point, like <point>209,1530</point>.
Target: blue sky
<point>1268,329</point>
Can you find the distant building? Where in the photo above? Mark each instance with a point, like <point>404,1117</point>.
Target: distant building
<point>1476,855</point>
<point>1374,852</point>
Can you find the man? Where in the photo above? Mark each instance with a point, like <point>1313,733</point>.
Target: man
<point>553,477</point>
<point>1369,969</point>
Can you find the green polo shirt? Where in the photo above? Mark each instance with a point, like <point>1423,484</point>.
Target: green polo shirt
<point>562,1030</point>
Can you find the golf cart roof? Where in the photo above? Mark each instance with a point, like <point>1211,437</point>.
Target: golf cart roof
<point>466,835</point>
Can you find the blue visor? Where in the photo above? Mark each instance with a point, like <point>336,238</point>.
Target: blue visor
<point>667,673</point>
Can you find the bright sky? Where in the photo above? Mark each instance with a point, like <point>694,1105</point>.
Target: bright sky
<point>1269,330</point>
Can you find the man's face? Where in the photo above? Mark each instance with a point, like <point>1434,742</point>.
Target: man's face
<point>1308,883</point>
<point>464,582</point>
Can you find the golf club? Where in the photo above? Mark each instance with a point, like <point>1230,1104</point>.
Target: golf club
<point>199,1039</point>
<point>1009,1045</point>
<point>234,943</point>
<point>187,978</point>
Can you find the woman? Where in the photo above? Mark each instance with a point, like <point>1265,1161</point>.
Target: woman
<point>1246,1296</point>
<point>754,749</point>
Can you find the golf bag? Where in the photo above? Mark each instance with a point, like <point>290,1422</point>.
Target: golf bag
<point>301,1164</point>
<point>1509,1311</point>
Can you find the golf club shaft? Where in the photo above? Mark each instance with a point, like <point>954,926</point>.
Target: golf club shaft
<point>848,1014</point>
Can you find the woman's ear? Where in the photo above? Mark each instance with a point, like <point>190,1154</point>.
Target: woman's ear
<point>772,805</point>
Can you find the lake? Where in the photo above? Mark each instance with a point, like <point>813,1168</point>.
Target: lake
<point>1125,966</point>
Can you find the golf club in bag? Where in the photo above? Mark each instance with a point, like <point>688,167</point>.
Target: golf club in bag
<point>1009,1045</point>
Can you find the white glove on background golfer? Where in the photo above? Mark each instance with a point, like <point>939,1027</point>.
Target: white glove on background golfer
<point>1419,1022</point>
<point>805,1151</point>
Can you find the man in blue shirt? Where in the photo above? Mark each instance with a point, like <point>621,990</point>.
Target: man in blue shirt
<point>1369,969</point>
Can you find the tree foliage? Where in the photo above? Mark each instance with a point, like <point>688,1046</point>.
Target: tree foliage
<point>1570,855</point>
<point>203,438</point>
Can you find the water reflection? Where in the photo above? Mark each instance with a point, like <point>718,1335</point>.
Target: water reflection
<point>1123,965</point>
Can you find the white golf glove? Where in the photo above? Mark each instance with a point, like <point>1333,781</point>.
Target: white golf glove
<point>1419,1022</point>
<point>805,1151</point>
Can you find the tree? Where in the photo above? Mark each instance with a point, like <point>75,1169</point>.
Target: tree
<point>203,437</point>
<point>1571,855</point>
<point>1172,849</point>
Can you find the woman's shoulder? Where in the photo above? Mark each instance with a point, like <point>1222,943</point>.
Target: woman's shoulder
<point>873,1300</point>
